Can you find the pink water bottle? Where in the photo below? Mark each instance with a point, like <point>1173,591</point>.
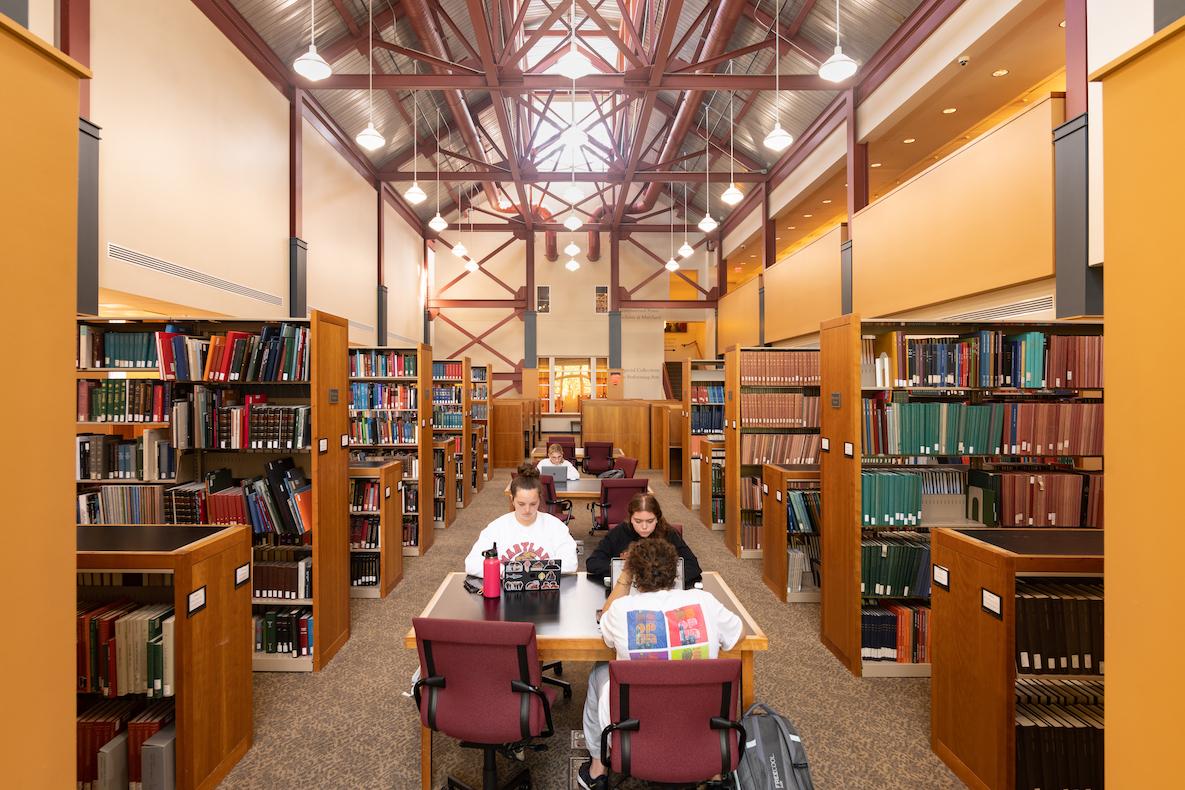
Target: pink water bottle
<point>491,573</point>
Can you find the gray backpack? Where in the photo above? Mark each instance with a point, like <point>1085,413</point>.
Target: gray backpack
<point>774,758</point>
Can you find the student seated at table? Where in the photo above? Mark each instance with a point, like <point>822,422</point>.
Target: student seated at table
<point>687,624</point>
<point>645,520</point>
<point>525,533</point>
<point>555,457</point>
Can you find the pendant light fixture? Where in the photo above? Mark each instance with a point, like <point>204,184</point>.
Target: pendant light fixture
<point>572,250</point>
<point>459,248</point>
<point>438,223</point>
<point>732,195</point>
<point>778,138</point>
<point>572,265</point>
<point>573,222</point>
<point>839,66</point>
<point>671,265</point>
<point>370,138</point>
<point>311,65</point>
<point>707,224</point>
<point>414,194</point>
<point>574,64</point>
<point>686,250</point>
<point>470,265</point>
<point>572,193</point>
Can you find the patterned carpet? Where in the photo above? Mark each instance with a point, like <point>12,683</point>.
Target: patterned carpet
<point>350,726</point>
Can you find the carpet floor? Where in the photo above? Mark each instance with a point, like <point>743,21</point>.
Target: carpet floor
<point>350,725</point>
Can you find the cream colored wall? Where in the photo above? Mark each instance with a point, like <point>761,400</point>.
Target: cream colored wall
<point>193,163</point>
<point>403,250</point>
<point>341,227</point>
<point>43,20</point>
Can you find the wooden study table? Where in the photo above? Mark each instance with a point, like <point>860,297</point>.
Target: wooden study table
<point>566,628</point>
<point>586,489</point>
<point>540,452</point>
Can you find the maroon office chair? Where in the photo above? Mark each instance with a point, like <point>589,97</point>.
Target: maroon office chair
<point>552,504</point>
<point>616,494</point>
<point>674,721</point>
<point>566,442</point>
<point>481,682</point>
<point>626,465</point>
<point>598,457</point>
<point>678,528</point>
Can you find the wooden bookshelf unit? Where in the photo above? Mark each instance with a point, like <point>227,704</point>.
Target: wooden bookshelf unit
<point>416,456</point>
<point>444,484</point>
<point>872,367</point>
<point>711,484</point>
<point>514,430</point>
<point>388,477</point>
<point>211,599</point>
<point>697,403</point>
<point>482,419</point>
<point>777,377</point>
<point>666,420</point>
<point>974,662</point>
<point>452,399</point>
<point>777,481</point>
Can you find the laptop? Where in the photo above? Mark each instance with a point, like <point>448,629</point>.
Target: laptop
<point>617,564</point>
<point>558,473</point>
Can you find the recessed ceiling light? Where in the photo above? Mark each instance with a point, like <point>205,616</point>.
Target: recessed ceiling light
<point>737,269</point>
<point>1062,23</point>
<point>875,164</point>
<point>807,216</point>
<point>827,201</point>
<point>909,140</point>
<point>949,110</point>
<point>793,227</point>
<point>777,238</point>
<point>999,72</point>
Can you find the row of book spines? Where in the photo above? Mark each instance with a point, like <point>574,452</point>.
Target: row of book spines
<point>383,364</point>
<point>895,565</point>
<point>895,632</point>
<point>252,427</point>
<point>365,570</point>
<point>103,457</point>
<point>707,394</point>
<point>281,579</point>
<point>751,530</point>
<point>108,349</point>
<point>447,370</point>
<point>1059,746</point>
<point>127,401</point>
<point>1059,628</point>
<point>804,511</point>
<point>779,368</point>
<point>124,504</point>
<point>277,353</point>
<point>479,373</point>
<point>443,418</point>
<point>707,419</point>
<point>779,410</point>
<point>447,395</point>
<point>365,494</point>
<point>284,630</point>
<point>380,395</point>
<point>121,648</point>
<point>411,530</point>
<point>124,740</point>
<point>779,449</point>
<point>383,428</point>
<point>365,532</point>
<point>1036,499</point>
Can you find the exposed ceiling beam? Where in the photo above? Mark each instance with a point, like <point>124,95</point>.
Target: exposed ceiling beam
<point>544,176</point>
<point>628,82</point>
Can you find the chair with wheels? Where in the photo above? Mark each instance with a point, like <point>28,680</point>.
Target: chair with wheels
<point>598,457</point>
<point>615,498</point>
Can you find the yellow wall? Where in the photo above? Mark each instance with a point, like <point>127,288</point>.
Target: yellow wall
<point>38,220</point>
<point>739,317</point>
<point>194,158</point>
<point>979,220</point>
<point>341,227</point>
<point>804,289</point>
<point>1143,295</point>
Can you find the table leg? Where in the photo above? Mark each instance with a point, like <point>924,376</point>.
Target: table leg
<point>748,689</point>
<point>425,758</point>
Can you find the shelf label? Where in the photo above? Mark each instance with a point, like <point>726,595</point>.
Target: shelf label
<point>333,396</point>
<point>242,575</point>
<point>196,601</point>
<point>825,444</point>
<point>849,450</point>
<point>942,577</point>
<point>835,400</point>
<point>323,445</point>
<point>991,603</point>
<point>387,492</point>
<point>778,495</point>
<point>764,488</point>
<point>345,440</point>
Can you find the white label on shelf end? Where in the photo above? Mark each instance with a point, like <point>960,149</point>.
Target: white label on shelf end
<point>387,492</point>
<point>764,488</point>
<point>825,443</point>
<point>345,440</point>
<point>242,574</point>
<point>991,602</point>
<point>778,494</point>
<point>849,450</point>
<point>197,600</point>
<point>942,576</point>
<point>323,445</point>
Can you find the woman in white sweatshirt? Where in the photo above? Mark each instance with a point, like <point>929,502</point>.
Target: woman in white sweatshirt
<point>525,534</point>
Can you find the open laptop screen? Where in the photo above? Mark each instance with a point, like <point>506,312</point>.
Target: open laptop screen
<point>617,564</point>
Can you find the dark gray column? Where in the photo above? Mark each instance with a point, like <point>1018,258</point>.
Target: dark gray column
<point>1079,286</point>
<point>88,217</point>
<point>1166,12</point>
<point>381,323</point>
<point>16,10</point>
<point>845,275</point>
<point>530,346</point>
<point>614,339</point>
<point>298,277</point>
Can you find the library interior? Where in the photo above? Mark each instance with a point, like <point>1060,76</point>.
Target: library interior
<point>428,382</point>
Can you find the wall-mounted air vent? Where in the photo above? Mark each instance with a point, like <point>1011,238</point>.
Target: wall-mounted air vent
<point>1006,311</point>
<point>119,253</point>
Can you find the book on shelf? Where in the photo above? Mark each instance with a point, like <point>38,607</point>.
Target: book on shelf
<point>364,569</point>
<point>438,509</point>
<point>779,410</point>
<point>282,572</point>
<point>896,498</point>
<point>707,419</point>
<point>280,352</point>
<point>479,373</point>
<point>99,347</point>
<point>364,532</point>
<point>145,725</point>
<point>447,370</point>
<point>123,401</point>
<point>284,630</point>
<point>447,395</point>
<point>1059,627</point>
<point>898,632</point>
<point>411,530</point>
<point>104,457</point>
<point>123,504</point>
<point>779,368</point>
<point>480,392</point>
<point>780,448</point>
<point>448,416</point>
<point>895,565</point>
<point>365,494</point>
<point>707,394</point>
<point>383,428</point>
<point>804,511</point>
<point>411,500</point>
<point>1037,498</point>
<point>1059,745</point>
<point>383,363</point>
<point>751,529</point>
<point>209,418</point>
<point>121,648</point>
<point>97,723</point>
<point>986,359</point>
<point>481,411</point>
<point>382,395</point>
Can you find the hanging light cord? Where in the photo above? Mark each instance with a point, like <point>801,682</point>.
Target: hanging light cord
<point>731,134</point>
<point>313,23</point>
<point>370,53</point>
<point>778,63</point>
<point>837,23</point>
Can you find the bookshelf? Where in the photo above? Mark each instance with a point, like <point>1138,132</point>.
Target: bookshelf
<point>376,526</point>
<point>771,398</point>
<point>703,412</point>
<point>875,438</point>
<point>211,643</point>
<point>257,401</point>
<point>397,379</point>
<point>785,486</point>
<point>444,482</point>
<point>975,643</point>
<point>711,482</point>
<point>452,395</point>
<point>482,422</point>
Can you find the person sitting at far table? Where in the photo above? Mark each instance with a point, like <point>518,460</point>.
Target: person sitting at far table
<point>645,521</point>
<point>555,457</point>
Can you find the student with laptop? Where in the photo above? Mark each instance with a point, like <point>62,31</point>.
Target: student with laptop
<point>560,468</point>
<point>645,520</point>
<point>655,622</point>
<point>525,533</point>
